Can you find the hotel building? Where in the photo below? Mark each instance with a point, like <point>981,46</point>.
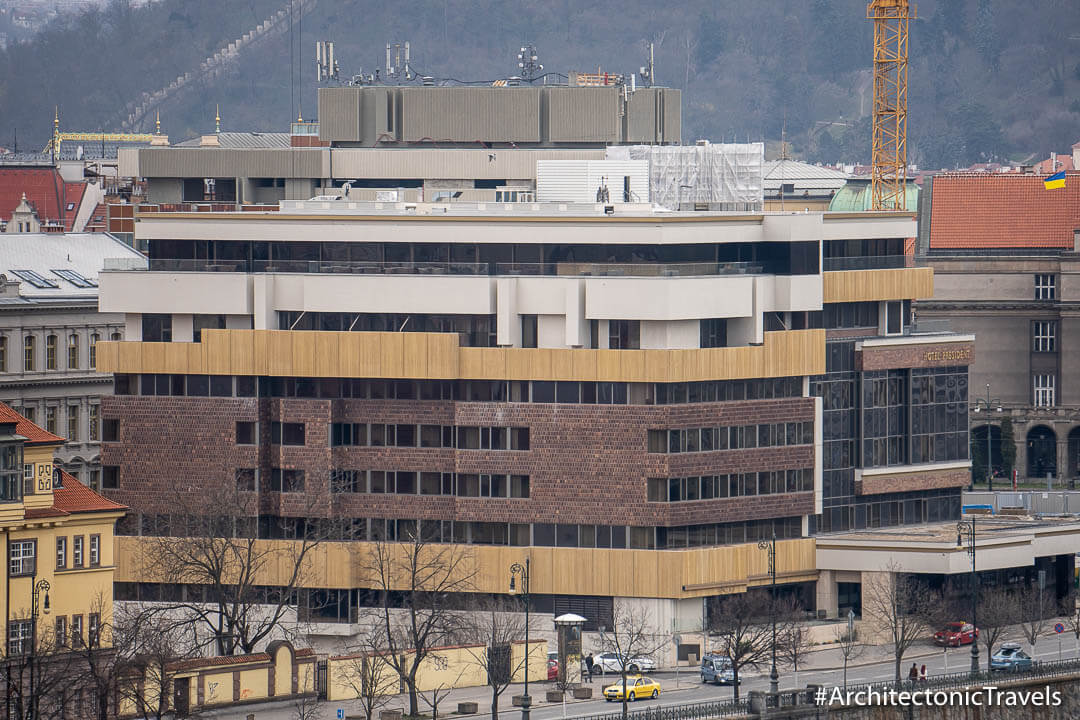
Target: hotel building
<point>631,398</point>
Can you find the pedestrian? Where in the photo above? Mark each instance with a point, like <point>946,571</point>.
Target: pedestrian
<point>922,674</point>
<point>913,674</point>
<point>589,665</point>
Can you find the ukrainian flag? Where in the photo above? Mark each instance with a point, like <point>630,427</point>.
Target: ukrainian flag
<point>1055,181</point>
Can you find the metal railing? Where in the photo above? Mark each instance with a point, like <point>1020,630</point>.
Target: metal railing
<point>684,711</point>
<point>642,269</point>
<point>565,269</point>
<point>869,262</point>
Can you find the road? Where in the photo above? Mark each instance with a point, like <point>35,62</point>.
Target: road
<point>685,687</point>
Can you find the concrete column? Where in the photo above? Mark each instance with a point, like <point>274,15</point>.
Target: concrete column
<point>1062,455</point>
<point>132,327</point>
<point>827,593</point>
<point>507,321</point>
<point>183,328</point>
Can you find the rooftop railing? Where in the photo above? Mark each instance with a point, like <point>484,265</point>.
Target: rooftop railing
<point>869,262</point>
<point>457,268</point>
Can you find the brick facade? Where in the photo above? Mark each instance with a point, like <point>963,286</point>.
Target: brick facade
<point>585,462</point>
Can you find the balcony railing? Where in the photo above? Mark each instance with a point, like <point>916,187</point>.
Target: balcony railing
<point>869,262</point>
<point>456,268</point>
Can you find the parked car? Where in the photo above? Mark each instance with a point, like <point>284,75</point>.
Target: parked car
<point>609,662</point>
<point>956,634</point>
<point>1010,657</point>
<point>717,669</point>
<point>636,688</point>
<point>553,668</point>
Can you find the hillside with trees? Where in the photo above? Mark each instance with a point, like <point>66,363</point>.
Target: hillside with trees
<point>988,80</point>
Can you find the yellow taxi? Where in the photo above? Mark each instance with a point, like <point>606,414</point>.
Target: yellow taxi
<point>637,688</point>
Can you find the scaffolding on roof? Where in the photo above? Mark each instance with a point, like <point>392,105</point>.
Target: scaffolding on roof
<point>725,176</point>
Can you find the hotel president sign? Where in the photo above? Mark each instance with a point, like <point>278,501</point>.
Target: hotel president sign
<point>901,355</point>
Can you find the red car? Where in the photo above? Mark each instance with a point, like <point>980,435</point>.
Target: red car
<point>956,634</point>
<point>553,669</point>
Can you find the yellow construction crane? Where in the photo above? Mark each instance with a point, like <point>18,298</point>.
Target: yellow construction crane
<point>889,175</point>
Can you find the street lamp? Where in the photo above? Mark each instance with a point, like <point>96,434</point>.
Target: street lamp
<point>517,569</point>
<point>965,529</point>
<point>988,405</point>
<point>770,547</point>
<point>36,589</point>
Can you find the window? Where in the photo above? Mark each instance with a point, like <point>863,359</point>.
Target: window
<point>95,550</point>
<point>157,327</point>
<point>61,630</point>
<point>3,353</point>
<point>95,480</point>
<point>76,631</point>
<point>286,433</point>
<point>73,352</point>
<point>77,551</point>
<point>115,337</point>
<point>73,423</point>
<point>50,419</point>
<point>75,278</point>
<point>93,627</point>
<point>245,432</point>
<point>50,352</point>
<point>61,553</point>
<point>714,332</point>
<point>29,412</point>
<point>22,556</point>
<point>245,479</point>
<point>19,637</point>
<point>95,423</point>
<point>624,334</point>
<point>529,331</point>
<point>11,470</point>
<point>28,354</point>
<point>28,478</point>
<point>36,280</point>
<point>1045,287</point>
<point>204,322</point>
<point>110,430</point>
<point>1045,332</point>
<point>110,477</point>
<point>1044,391</point>
<point>93,350</point>
<point>344,434</point>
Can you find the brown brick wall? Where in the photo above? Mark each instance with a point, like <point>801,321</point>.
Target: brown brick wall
<point>910,482</point>
<point>915,356</point>
<point>587,463</point>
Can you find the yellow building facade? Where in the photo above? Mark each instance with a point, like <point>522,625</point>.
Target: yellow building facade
<point>58,534</point>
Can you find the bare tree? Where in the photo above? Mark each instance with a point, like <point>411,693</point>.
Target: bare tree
<point>997,614</point>
<point>370,674</point>
<point>36,673</point>
<point>95,665</point>
<point>743,629</point>
<point>148,645</point>
<point>1036,608</point>
<point>793,636</point>
<point>850,647</point>
<point>631,635</point>
<point>216,547</point>
<point>1070,609</point>
<point>425,576</point>
<point>901,606</point>
<point>495,627</point>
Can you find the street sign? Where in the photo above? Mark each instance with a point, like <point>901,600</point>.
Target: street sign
<point>340,714</point>
<point>1059,628</point>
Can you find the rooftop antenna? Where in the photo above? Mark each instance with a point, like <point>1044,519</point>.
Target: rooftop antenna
<point>56,132</point>
<point>783,157</point>
<point>397,68</point>
<point>217,118</point>
<point>527,63</point>
<point>647,71</point>
<point>157,122</point>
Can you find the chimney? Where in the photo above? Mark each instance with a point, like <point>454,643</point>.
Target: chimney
<point>1076,240</point>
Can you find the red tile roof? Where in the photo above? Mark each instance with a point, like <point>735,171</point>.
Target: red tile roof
<point>1064,162</point>
<point>74,497</point>
<point>1003,211</point>
<point>44,189</point>
<point>34,435</point>
<point>97,221</point>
